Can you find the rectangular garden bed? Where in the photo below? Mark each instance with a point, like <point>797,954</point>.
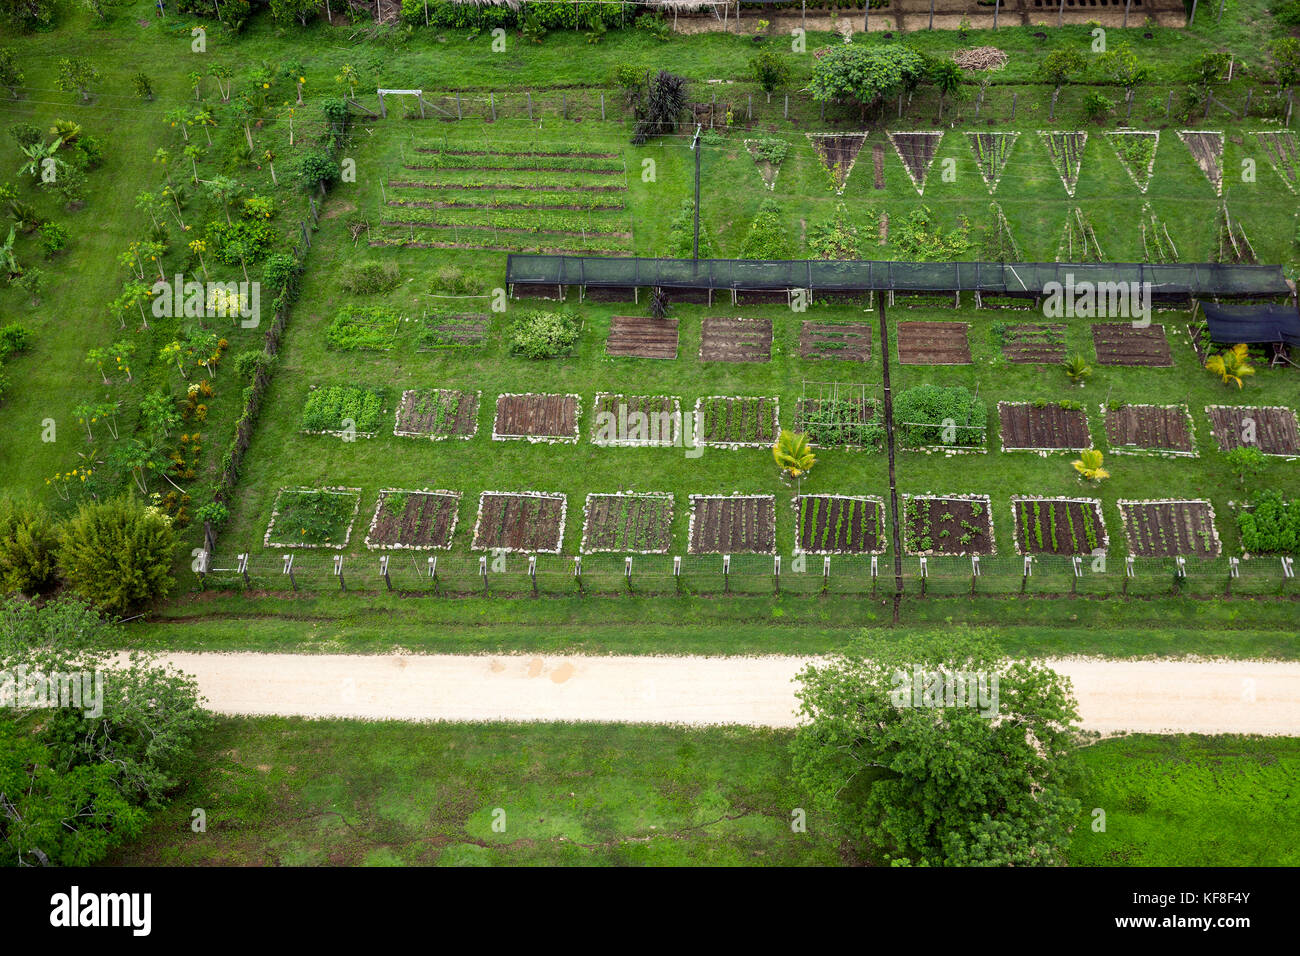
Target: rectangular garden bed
<point>933,343</point>
<point>735,524</point>
<point>536,418</point>
<point>437,413</point>
<point>312,518</point>
<point>844,341</point>
<point>1274,427</point>
<point>635,337</point>
<point>1050,426</point>
<point>347,411</point>
<point>1122,343</point>
<point>628,523</point>
<point>1032,343</point>
<point>529,521</point>
<point>735,340</point>
<point>839,524</point>
<point>413,520</point>
<point>952,525</point>
<point>840,422</point>
<point>453,331</point>
<point>736,421</point>
<point>651,421</point>
<point>1170,527</point>
<point>1058,525</point>
<point>1154,429</point>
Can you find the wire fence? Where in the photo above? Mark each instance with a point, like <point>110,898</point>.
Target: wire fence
<point>549,574</point>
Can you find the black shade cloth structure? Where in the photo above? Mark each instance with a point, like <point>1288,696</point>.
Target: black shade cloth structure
<point>1261,324</point>
<point>1200,280</point>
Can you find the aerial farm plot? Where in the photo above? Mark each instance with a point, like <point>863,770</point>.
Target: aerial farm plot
<point>736,421</point>
<point>843,341</point>
<point>1123,343</point>
<point>1153,429</point>
<point>1043,426</point>
<point>839,524</point>
<point>1170,528</point>
<point>437,413</point>
<point>537,418</point>
<point>933,343</point>
<point>640,337</point>
<point>1058,525</point>
<point>413,520</point>
<point>732,524</point>
<point>653,421</point>
<point>1031,343</point>
<point>1271,429</point>
<point>947,525</point>
<point>736,340</point>
<point>529,521</point>
<point>628,523</point>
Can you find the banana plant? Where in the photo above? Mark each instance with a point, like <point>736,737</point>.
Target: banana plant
<point>793,453</point>
<point>38,154</point>
<point>1233,365</point>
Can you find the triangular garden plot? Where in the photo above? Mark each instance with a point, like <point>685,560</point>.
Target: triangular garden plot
<point>1207,149</point>
<point>1066,150</point>
<point>991,153</point>
<point>838,152</point>
<point>1280,148</point>
<point>1136,149</point>
<point>916,150</point>
<point>768,155</point>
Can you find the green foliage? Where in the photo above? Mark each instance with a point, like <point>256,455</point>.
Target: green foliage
<point>1060,65</point>
<point>767,237</point>
<point>770,150</point>
<point>939,785</point>
<point>117,553</point>
<point>841,422</point>
<point>919,237</point>
<point>681,234</point>
<point>544,335</point>
<point>770,69</point>
<point>369,277</point>
<point>53,238</point>
<point>313,516</point>
<point>29,542</point>
<point>865,74</point>
<point>14,337</point>
<point>836,237</point>
<point>919,414</point>
<point>316,168</point>
<point>1271,524</point>
<point>1246,463</point>
<point>214,513</point>
<point>328,407</point>
<point>250,237</point>
<point>793,453</point>
<point>1097,106</point>
<point>363,327</point>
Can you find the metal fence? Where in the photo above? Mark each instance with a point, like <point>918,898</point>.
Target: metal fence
<point>522,574</point>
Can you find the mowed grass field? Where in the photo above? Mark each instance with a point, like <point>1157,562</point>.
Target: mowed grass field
<point>582,794</point>
<point>1034,202</point>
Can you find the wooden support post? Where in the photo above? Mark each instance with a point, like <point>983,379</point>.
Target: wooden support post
<point>1192,17</point>
<point>627,571</point>
<point>458,113</point>
<point>288,569</point>
<point>1015,97</point>
<point>787,106</point>
<point>931,27</point>
<point>577,572</point>
<point>1024,579</point>
<point>1245,110</point>
<point>482,570</point>
<point>338,570</point>
<point>1127,4</point>
<point>677,572</point>
<point>826,573</point>
<point>602,107</point>
<point>776,573</point>
<point>433,571</point>
<point>532,572</point>
<point>243,568</point>
<point>996,4</point>
<point>1060,14</point>
<point>726,558</point>
<point>383,571</point>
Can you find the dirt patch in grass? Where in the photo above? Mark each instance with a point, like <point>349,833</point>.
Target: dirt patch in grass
<point>519,522</point>
<point>1273,428</point>
<point>736,340</point>
<point>1149,428</point>
<point>741,524</point>
<point>437,413</point>
<point>536,416</point>
<point>1058,526</point>
<point>637,337</point>
<point>1033,343</point>
<point>1122,343</point>
<point>640,524</point>
<point>1047,427</point>
<point>845,341</point>
<point>950,526</point>
<point>413,519</point>
<point>933,343</point>
<point>1170,528</point>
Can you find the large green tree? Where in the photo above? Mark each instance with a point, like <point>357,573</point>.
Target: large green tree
<point>945,785</point>
<point>864,75</point>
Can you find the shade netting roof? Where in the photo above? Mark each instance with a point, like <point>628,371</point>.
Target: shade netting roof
<point>1253,324</point>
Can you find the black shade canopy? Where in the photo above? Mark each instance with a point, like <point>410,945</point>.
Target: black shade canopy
<point>1261,324</point>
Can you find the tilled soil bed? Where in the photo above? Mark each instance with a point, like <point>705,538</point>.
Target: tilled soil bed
<point>1149,428</point>
<point>933,343</point>
<point>1274,428</point>
<point>737,420</point>
<point>1170,528</point>
<point>437,413</point>
<point>637,337</point>
<point>733,525</point>
<point>845,341</point>
<point>949,526</point>
<point>537,417</point>
<point>838,152</point>
<point>529,522</point>
<point>413,519</point>
<point>636,524</point>
<point>1033,344</point>
<point>916,150</point>
<point>1048,427</point>
<point>1122,343</point>
<point>1058,526</point>
<point>618,419</point>
<point>838,524</point>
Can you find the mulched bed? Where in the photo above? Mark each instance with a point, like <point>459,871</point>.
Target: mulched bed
<point>933,343</point>
<point>1207,149</point>
<point>1170,528</point>
<point>1121,343</point>
<point>838,152</point>
<point>413,519</point>
<point>1049,427</point>
<point>650,420</point>
<point>636,337</point>
<point>638,524</point>
<point>437,413</point>
<point>531,522</point>
<point>736,340</point>
<point>838,524</point>
<point>916,150</point>
<point>1275,427</point>
<point>1033,343</point>
<point>1058,526</point>
<point>537,417</point>
<point>845,341</point>
<point>737,524</point>
<point>737,420</point>
<point>938,525</point>
<point>1160,428</point>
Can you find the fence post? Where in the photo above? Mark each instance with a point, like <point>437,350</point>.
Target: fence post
<point>974,571</point>
<point>1029,569</point>
<point>1234,570</point>
<point>1014,98</point>
<point>532,572</point>
<point>458,113</point>
<point>677,572</point>
<point>1288,572</point>
<point>338,569</point>
<point>1128,573</point>
<point>243,568</point>
<point>1076,567</point>
<point>492,104</point>
<point>875,570</point>
<point>776,573</point>
<point>726,574</point>
<point>787,106</point>
<point>383,571</point>
<point>482,570</point>
<point>826,573</point>
<point>925,574</point>
<point>627,571</point>
<point>577,571</point>
<point>288,569</point>
<point>749,107</point>
<point>602,107</point>
<point>433,572</point>
<point>1192,17</point>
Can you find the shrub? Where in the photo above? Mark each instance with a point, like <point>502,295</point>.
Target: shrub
<point>29,543</point>
<point>927,407</point>
<point>363,327</point>
<point>767,238</point>
<point>117,553</point>
<point>214,512</point>
<point>316,168</point>
<point>1247,463</point>
<point>53,238</point>
<point>544,335</point>
<point>1097,106</point>
<point>369,277</point>
<point>770,69</point>
<point>770,150</point>
<point>1271,525</point>
<point>328,407</point>
<point>14,337</point>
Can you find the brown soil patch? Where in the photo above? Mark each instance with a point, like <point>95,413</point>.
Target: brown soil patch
<point>1034,344</point>
<point>845,341</point>
<point>636,337</point>
<point>835,524</point>
<point>1058,526</point>
<point>933,343</point>
<point>938,525</point>
<point>537,416</point>
<point>436,413</point>
<point>1052,427</point>
<point>1170,528</point>
<point>1121,343</point>
<point>732,525</point>
<point>1274,428</point>
<point>519,522</point>
<point>1149,428</point>
<point>414,519</point>
<point>736,340</point>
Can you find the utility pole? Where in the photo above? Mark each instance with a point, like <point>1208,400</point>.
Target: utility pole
<point>695,147</point>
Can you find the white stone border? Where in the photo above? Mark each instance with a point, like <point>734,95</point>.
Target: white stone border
<point>1182,134</point>
<point>986,500</point>
<point>775,167</point>
<point>1209,505</point>
<point>541,439</point>
<point>586,519</point>
<point>690,526</point>
<point>997,174</point>
<point>1044,134</point>
<point>1274,132</point>
<point>338,433</point>
<point>1151,452</point>
<point>430,492</point>
<point>733,446</point>
<point>559,540</point>
<point>918,186</point>
<point>1100,515</point>
<point>1151,165</point>
<point>812,141</point>
<point>676,414</point>
<point>877,406</point>
<point>1262,408</point>
<point>880,523</point>
<point>1044,452</point>
<point>397,415</point>
<point>333,489</point>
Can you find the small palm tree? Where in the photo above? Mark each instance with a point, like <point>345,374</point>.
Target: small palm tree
<point>1088,464</point>
<point>793,453</point>
<point>1077,369</point>
<point>1232,365</point>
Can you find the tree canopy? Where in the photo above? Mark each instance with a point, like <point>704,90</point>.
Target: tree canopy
<point>865,74</point>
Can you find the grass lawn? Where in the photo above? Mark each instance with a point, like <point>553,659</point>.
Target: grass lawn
<point>292,792</point>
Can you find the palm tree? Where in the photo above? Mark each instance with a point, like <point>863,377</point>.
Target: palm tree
<point>1232,365</point>
<point>1088,464</point>
<point>793,453</point>
<point>1077,369</point>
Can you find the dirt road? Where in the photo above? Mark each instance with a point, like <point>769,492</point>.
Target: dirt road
<point>1147,696</point>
